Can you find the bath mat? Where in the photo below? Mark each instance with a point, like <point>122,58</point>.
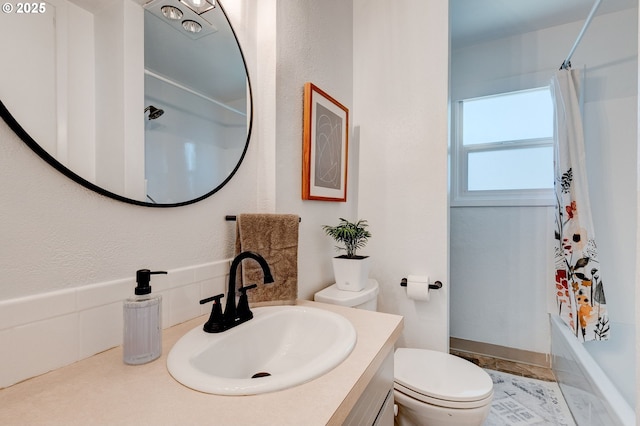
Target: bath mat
<point>520,401</point>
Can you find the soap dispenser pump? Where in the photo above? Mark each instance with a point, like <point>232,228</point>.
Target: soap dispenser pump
<point>142,341</point>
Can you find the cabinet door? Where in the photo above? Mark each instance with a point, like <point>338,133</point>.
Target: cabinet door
<point>386,415</point>
<point>372,407</point>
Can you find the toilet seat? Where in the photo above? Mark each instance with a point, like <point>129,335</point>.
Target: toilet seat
<point>441,379</point>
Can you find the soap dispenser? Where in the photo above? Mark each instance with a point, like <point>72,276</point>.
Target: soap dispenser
<point>142,341</point>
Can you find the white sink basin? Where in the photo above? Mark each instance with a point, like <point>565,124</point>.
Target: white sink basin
<point>291,344</point>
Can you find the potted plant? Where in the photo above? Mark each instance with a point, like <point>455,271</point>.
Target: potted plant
<point>351,270</point>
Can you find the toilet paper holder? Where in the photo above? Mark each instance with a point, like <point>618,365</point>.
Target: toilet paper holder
<point>435,286</point>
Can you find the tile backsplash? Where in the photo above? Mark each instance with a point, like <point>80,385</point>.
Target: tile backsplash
<point>47,331</point>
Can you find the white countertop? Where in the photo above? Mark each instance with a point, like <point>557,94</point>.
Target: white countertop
<point>103,390</point>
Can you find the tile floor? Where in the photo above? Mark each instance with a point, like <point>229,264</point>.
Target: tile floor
<point>519,401</point>
<point>523,394</point>
<point>515,368</point>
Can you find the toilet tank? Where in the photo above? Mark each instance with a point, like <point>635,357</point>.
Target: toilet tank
<point>366,298</point>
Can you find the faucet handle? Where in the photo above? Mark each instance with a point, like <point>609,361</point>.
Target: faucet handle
<point>243,312</point>
<point>215,298</point>
<point>216,319</point>
<point>243,289</point>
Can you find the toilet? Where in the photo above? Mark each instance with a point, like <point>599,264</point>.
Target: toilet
<point>430,387</point>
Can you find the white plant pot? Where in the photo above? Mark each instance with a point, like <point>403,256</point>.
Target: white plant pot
<point>351,274</point>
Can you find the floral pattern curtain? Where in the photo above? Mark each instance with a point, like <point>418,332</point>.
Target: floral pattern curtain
<point>578,281</point>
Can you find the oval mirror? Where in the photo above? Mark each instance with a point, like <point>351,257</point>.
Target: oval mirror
<point>147,102</point>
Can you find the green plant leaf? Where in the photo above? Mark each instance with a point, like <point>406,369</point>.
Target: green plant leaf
<point>353,235</point>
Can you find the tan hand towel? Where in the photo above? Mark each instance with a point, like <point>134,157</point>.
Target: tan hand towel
<point>274,237</point>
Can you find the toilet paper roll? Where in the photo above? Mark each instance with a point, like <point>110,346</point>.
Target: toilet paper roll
<point>418,290</point>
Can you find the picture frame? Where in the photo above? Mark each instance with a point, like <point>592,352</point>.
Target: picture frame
<point>325,152</point>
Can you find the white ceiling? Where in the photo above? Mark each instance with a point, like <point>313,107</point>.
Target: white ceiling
<point>480,20</point>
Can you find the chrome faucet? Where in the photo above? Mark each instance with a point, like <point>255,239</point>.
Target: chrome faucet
<point>234,315</point>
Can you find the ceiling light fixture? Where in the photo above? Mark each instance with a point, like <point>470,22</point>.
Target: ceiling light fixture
<point>171,12</point>
<point>191,26</point>
<point>199,6</point>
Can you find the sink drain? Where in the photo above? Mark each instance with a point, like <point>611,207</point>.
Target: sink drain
<point>261,374</point>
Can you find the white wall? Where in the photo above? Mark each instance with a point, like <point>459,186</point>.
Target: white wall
<point>81,87</point>
<point>500,256</point>
<point>400,113</point>
<point>314,43</point>
<point>637,261</point>
<point>119,41</point>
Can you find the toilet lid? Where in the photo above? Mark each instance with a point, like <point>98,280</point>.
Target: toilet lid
<point>334,296</point>
<point>430,375</point>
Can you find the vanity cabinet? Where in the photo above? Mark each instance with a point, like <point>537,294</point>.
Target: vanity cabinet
<point>375,405</point>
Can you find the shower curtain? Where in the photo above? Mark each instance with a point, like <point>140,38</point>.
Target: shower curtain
<point>578,282</point>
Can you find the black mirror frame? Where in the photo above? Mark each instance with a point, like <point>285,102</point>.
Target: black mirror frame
<point>27,139</point>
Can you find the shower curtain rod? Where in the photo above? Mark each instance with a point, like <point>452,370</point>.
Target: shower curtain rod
<point>193,92</point>
<point>567,62</point>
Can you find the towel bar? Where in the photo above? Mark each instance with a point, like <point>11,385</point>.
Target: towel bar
<point>233,218</point>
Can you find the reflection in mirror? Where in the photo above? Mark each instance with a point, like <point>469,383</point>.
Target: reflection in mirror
<point>125,100</point>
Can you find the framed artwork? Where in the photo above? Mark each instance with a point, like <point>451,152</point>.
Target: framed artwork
<point>325,146</point>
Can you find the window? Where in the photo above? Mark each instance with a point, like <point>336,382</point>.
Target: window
<point>503,149</point>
